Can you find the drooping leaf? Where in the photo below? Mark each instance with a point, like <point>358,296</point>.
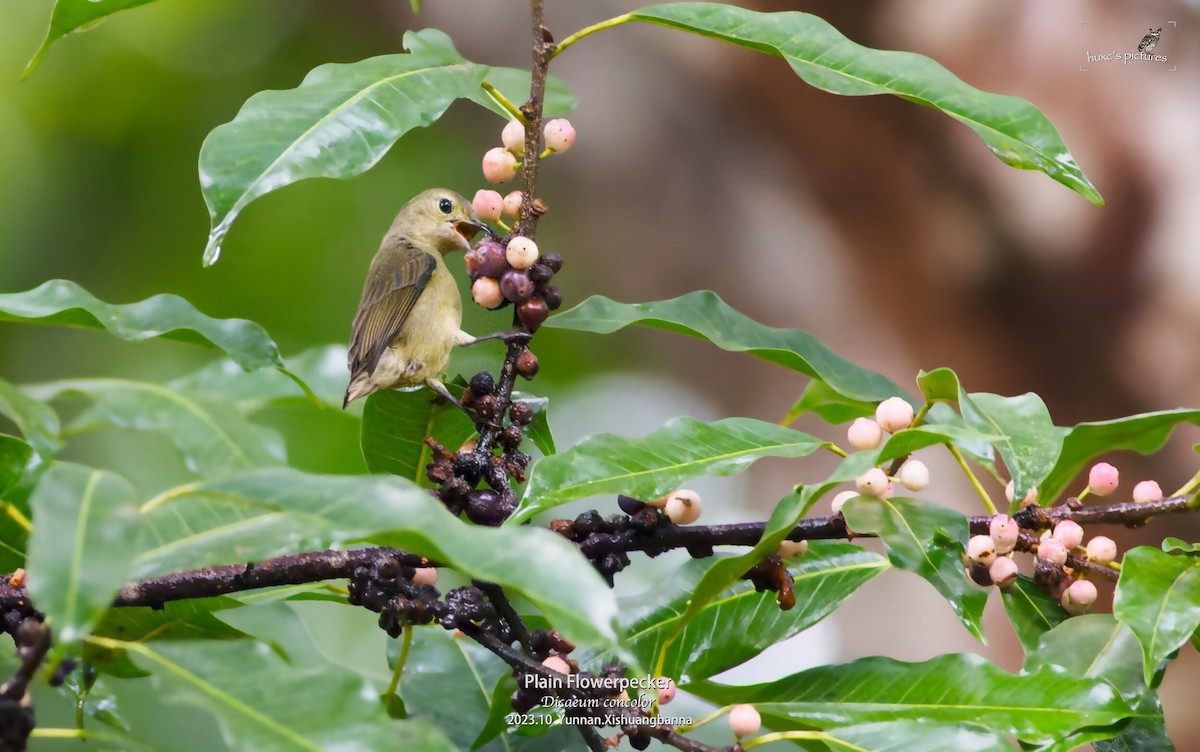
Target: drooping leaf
<point>77,15</point>
<point>268,513</point>
<point>337,123</point>
<point>1157,597</point>
<point>1015,131</point>
<point>79,551</point>
<point>1031,443</point>
<point>653,465</point>
<point>1171,545</point>
<point>925,538</point>
<point>1032,611</point>
<point>1143,433</point>
<point>213,438</point>
<point>950,689</point>
<point>65,303</point>
<point>899,736</point>
<point>322,368</point>
<point>828,574</point>
<point>36,421</point>
<point>818,397</point>
<point>14,456</point>
<point>396,424</point>
<point>703,314</point>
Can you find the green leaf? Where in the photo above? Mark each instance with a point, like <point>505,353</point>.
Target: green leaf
<point>396,424</point>
<point>1171,545</point>
<point>925,538</point>
<point>323,369</point>
<point>212,437</point>
<point>1015,131</point>
<point>77,15</point>
<point>266,513</point>
<point>512,82</point>
<point>1031,610</point>
<point>950,689</point>
<point>905,736</point>
<point>1143,433</point>
<point>337,123</point>
<point>653,465</point>
<point>36,421</point>
<point>65,303</point>
<point>834,408</point>
<point>1098,646</point>
<point>14,456</point>
<point>1157,597</point>
<point>703,314</point>
<point>1031,443</point>
<point>828,574</point>
<point>79,550</point>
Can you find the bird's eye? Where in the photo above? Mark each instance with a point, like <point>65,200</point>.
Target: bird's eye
<point>445,205</point>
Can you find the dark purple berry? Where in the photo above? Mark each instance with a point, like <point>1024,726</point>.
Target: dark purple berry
<point>552,260</point>
<point>520,413</point>
<point>489,259</point>
<point>540,273</point>
<point>630,505</point>
<point>516,285</point>
<point>527,364</point>
<point>552,297</point>
<point>532,313</point>
<point>482,384</point>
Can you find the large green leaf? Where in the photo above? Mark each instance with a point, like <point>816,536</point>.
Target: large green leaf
<point>828,574</point>
<point>268,513</point>
<point>36,421</point>
<point>396,424</point>
<point>65,303</point>
<point>1032,611</point>
<point>14,456</point>
<point>1030,442</point>
<point>213,438</point>
<point>703,314</point>
<point>323,369</point>
<point>907,736</point>
<point>77,15</point>
<point>1098,646</point>
<point>925,538</point>
<point>1158,596</point>
<point>653,465</point>
<point>80,549</point>
<point>950,689</point>
<point>1016,131</point>
<point>1082,443</point>
<point>337,123</point>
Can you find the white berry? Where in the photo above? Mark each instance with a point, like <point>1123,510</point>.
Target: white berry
<point>1101,549</point>
<point>425,576</point>
<point>894,414</point>
<point>840,500</point>
<point>512,205</point>
<point>1031,496</point>
<point>513,137</point>
<point>1003,571</point>
<point>683,507</point>
<point>913,475</point>
<point>981,549</point>
<point>873,482</point>
<point>864,433</point>
<point>521,252</point>
<point>792,549</point>
<point>744,720</point>
<point>1069,532</point>
<point>1052,550</point>
<point>499,165</point>
<point>1005,532</point>
<point>554,663</point>
<point>1078,596</point>
<point>559,133</point>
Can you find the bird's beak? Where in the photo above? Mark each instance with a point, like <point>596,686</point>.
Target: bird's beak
<point>469,227</point>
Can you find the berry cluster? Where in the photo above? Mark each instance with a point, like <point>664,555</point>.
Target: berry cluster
<point>891,415</point>
<point>500,164</point>
<point>399,594</point>
<point>515,273</point>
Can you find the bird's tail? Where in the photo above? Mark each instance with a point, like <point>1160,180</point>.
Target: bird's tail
<point>360,386</point>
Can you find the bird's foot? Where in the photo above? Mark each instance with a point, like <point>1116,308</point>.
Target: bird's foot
<point>441,392</point>
<point>508,338</point>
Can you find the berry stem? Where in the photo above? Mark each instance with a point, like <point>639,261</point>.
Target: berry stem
<point>504,102</point>
<point>15,515</point>
<point>1190,486</point>
<point>588,31</point>
<point>705,720</point>
<point>835,449</point>
<point>394,684</point>
<point>962,463</point>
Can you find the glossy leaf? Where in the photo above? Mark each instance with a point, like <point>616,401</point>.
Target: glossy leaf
<point>1015,131</point>
<point>396,424</point>
<point>703,314</point>
<point>36,421</point>
<point>268,513</point>
<point>1171,544</point>
<point>1158,596</point>
<point>818,397</point>
<point>925,538</point>
<point>513,83</point>
<point>79,551</point>
<point>1031,443</point>
<point>65,303</point>
<point>14,456</point>
<point>950,689</point>
<point>1031,611</point>
<point>1085,442</point>
<point>743,623</point>
<point>1098,646</point>
<point>906,736</point>
<point>656,464</point>
<point>323,369</point>
<point>337,123</point>
<point>77,15</point>
<point>213,438</point>
<point>191,619</point>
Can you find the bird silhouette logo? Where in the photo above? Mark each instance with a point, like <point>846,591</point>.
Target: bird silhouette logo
<point>1150,41</point>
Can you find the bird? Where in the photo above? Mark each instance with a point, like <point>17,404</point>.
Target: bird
<point>1149,41</point>
<point>409,318</point>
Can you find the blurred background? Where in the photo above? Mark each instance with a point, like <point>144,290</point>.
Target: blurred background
<point>885,229</point>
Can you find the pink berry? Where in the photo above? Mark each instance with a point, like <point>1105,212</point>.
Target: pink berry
<point>840,500</point>
<point>1005,532</point>
<point>1101,549</point>
<point>888,492</point>
<point>981,549</point>
<point>792,549</point>
<point>1031,495</point>
<point>864,433</point>
<point>555,663</point>
<point>1069,533</point>
<point>486,292</point>
<point>667,693</point>
<point>512,205</point>
<point>1052,550</point>
<point>744,720</point>
<point>560,134</point>
<point>1147,490</point>
<point>499,165</point>
<point>425,576</point>
<point>683,507</point>
<point>521,253</point>
<point>1003,571</point>
<point>1078,596</point>
<point>513,137</point>
<point>873,482</point>
<point>1103,479</point>
<point>894,414</point>
<point>913,475</point>
<point>487,205</point>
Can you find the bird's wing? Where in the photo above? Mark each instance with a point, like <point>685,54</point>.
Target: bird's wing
<point>388,298</point>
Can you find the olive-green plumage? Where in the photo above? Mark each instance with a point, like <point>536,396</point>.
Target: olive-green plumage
<point>410,314</point>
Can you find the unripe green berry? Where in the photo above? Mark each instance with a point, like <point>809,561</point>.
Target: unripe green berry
<point>513,137</point>
<point>864,433</point>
